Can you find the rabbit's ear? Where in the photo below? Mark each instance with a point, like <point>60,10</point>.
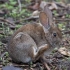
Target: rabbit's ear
<point>44,20</point>
<point>49,14</point>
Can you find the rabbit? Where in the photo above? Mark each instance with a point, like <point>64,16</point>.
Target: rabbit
<point>32,41</point>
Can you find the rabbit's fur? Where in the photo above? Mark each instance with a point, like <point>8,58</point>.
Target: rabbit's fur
<point>31,41</point>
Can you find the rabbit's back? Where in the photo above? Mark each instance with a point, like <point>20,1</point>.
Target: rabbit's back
<point>35,31</point>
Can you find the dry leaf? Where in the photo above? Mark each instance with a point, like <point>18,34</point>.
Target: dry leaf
<point>64,51</point>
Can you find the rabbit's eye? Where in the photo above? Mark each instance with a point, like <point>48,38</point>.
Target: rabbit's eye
<point>54,34</point>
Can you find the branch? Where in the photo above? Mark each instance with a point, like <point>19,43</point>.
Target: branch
<point>5,20</point>
<point>19,5</point>
<point>66,19</point>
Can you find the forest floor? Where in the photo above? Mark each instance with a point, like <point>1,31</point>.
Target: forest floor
<point>56,60</point>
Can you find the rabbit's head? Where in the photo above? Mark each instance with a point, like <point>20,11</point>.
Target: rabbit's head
<point>52,32</point>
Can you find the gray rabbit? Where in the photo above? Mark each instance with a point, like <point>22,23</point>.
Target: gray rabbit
<point>32,41</point>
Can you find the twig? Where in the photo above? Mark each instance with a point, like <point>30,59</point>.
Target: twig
<point>21,65</point>
<point>66,32</point>
<point>29,18</point>
<point>26,6</point>
<point>46,65</point>
<point>19,5</point>
<point>5,20</point>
